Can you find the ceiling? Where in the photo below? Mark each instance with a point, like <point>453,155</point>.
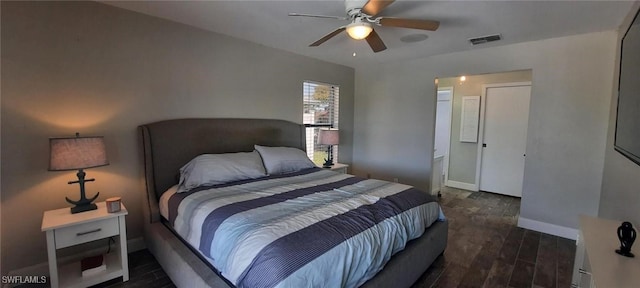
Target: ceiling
<point>268,23</point>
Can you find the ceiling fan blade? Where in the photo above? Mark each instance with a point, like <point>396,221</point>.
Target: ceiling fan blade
<point>374,7</point>
<point>375,42</point>
<point>410,23</point>
<point>318,16</point>
<point>327,37</point>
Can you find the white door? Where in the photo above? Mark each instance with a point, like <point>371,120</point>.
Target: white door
<point>504,139</point>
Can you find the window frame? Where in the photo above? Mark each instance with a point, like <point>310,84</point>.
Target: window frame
<point>335,121</point>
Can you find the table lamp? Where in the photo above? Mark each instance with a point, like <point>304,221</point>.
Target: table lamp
<point>78,153</point>
<point>328,137</point>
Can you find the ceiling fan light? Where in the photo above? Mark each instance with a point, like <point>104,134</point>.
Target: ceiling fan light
<point>359,31</point>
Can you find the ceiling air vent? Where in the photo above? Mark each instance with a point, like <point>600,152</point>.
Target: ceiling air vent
<point>485,39</point>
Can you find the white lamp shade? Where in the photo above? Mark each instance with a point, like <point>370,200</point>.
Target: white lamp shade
<point>359,31</point>
<point>76,153</point>
<point>328,137</point>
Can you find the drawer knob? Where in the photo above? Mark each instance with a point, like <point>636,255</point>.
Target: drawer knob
<point>88,232</point>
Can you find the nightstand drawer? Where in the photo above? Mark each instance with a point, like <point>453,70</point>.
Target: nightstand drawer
<point>86,232</point>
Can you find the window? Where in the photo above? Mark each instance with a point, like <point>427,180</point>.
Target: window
<point>320,110</point>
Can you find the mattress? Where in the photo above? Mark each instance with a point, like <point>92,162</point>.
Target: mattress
<point>313,228</point>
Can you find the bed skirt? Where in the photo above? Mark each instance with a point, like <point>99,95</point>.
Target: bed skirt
<point>186,269</point>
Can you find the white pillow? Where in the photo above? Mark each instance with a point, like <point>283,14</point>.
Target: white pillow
<point>281,160</point>
<point>213,169</point>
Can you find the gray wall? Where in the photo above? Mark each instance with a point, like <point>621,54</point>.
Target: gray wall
<point>571,87</point>
<point>620,198</point>
<point>463,156</point>
<point>101,70</point>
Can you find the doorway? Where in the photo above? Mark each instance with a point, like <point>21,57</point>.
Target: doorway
<point>504,122</point>
<point>443,129</point>
<point>464,150</point>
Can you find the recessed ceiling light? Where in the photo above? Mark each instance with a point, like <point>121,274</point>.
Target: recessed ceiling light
<point>354,54</point>
<point>414,38</point>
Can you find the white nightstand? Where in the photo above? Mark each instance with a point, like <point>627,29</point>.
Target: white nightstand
<point>340,168</point>
<point>65,229</point>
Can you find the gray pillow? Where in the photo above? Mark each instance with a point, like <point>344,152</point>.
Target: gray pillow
<point>213,169</point>
<point>281,160</point>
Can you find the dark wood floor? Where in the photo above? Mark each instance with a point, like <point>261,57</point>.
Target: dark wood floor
<point>485,249</point>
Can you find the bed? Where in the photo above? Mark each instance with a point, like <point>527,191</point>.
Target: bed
<point>168,145</point>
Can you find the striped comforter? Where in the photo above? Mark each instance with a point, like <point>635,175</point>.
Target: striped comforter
<point>313,228</point>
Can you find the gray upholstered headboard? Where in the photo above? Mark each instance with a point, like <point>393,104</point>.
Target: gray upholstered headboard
<point>170,144</point>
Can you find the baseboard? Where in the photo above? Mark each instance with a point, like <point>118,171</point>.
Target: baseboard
<point>462,185</point>
<point>135,244</point>
<point>42,269</point>
<point>557,230</point>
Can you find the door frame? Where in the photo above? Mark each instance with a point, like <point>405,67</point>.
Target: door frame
<point>483,107</point>
<point>445,161</point>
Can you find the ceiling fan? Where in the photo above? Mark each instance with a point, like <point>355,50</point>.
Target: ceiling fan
<point>363,18</point>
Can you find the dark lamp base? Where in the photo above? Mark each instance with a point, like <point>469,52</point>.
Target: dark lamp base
<point>83,208</point>
<point>625,253</point>
<point>83,204</point>
<point>328,162</point>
